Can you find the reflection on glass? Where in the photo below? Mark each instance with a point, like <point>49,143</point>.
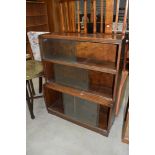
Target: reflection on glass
<point>70,76</point>
<point>59,49</point>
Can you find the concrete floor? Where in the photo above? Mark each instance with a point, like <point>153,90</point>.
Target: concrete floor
<point>51,135</point>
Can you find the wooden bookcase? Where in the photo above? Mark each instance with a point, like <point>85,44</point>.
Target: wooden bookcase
<point>86,68</point>
<point>36,16</point>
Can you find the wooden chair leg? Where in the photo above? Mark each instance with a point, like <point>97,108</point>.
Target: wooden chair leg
<point>29,99</point>
<point>40,84</point>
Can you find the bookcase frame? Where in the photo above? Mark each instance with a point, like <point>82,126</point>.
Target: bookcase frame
<point>51,87</point>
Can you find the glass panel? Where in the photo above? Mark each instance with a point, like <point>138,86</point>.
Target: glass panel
<point>70,76</point>
<point>89,53</point>
<point>59,49</point>
<point>78,109</point>
<point>92,81</point>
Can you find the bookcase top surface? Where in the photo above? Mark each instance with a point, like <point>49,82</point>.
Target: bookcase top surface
<point>103,38</point>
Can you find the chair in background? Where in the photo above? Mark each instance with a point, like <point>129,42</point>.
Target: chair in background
<point>35,50</point>
<point>34,69</point>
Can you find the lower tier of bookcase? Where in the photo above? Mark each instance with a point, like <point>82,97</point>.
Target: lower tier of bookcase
<point>87,114</point>
<point>63,116</point>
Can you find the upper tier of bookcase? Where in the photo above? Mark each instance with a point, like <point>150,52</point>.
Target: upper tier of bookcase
<point>98,52</point>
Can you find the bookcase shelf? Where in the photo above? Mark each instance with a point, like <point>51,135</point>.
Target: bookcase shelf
<point>102,99</point>
<point>36,25</point>
<point>82,73</point>
<point>37,15</point>
<point>89,64</point>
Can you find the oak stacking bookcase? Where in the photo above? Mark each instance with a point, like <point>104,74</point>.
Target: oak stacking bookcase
<point>83,71</point>
<point>82,74</point>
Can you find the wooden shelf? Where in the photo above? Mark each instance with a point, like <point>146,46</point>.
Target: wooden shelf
<point>106,67</point>
<point>35,2</point>
<point>37,15</point>
<point>103,99</point>
<point>36,25</point>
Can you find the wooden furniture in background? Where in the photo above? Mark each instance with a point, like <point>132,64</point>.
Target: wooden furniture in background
<point>109,16</point>
<point>36,16</point>
<point>121,90</point>
<point>126,56</point>
<point>124,77</point>
<point>125,129</point>
<point>117,14</point>
<point>36,20</point>
<point>106,17</point>
<point>33,69</point>
<point>102,7</point>
<point>34,46</point>
<point>125,17</point>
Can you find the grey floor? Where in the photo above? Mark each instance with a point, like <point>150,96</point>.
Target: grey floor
<point>51,135</point>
